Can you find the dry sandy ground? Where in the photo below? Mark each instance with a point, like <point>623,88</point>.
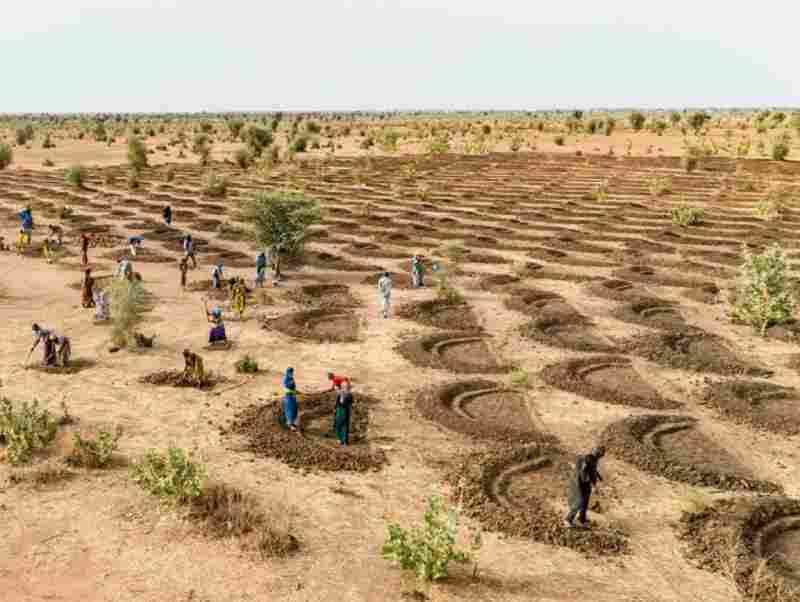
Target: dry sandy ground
<point>99,537</point>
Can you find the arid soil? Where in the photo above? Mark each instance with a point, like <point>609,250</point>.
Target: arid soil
<point>585,321</point>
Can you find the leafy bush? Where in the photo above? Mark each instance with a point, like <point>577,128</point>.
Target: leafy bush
<point>25,429</point>
<point>235,127</point>
<point>215,185</point>
<point>257,139</point>
<point>684,215</point>
<point>446,292</point>
<point>698,120</point>
<point>242,157</point>
<point>281,219</point>
<point>127,303</point>
<point>137,154</point>
<point>780,150</point>
<point>659,185</point>
<point>94,453</point>
<point>201,146</point>
<point>764,296</point>
<point>247,365</point>
<point>429,549</point>
<point>74,176</point>
<point>299,144</point>
<point>171,475</point>
<point>99,132</point>
<point>774,204</point>
<point>6,155</point>
<point>636,120</point>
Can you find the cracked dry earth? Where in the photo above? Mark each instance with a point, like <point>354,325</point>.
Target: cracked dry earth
<point>615,316</point>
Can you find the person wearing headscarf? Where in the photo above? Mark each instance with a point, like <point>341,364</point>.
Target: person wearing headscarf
<point>239,297</point>
<point>46,338</point>
<point>385,290</point>
<point>261,268</point>
<point>87,289</point>
<point>63,348</point>
<point>217,275</point>
<point>100,304</point>
<point>135,243</point>
<point>188,250</point>
<point>342,414</point>
<point>217,332</point>
<point>290,413</point>
<point>167,213</point>
<point>416,272</point>
<point>580,488</point>
<point>26,227</point>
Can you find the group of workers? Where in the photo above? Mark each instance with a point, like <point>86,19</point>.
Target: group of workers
<point>343,406</point>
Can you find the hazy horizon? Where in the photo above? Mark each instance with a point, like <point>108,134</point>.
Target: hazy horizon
<point>176,56</point>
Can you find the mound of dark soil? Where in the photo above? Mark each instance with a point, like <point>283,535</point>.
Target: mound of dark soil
<point>323,296</point>
<point>567,331</point>
<point>264,428</point>
<point>328,261</point>
<point>536,303</point>
<point>708,293</point>
<point>462,352</point>
<point>74,367</point>
<point>481,409</point>
<point>320,325</point>
<point>762,405</point>
<point>671,447</point>
<point>689,350</point>
<point>484,482</point>
<point>440,314</point>
<point>615,290</point>
<point>650,275</point>
<point>176,378</point>
<point>399,281</point>
<point>651,312</point>
<point>610,379</point>
<point>757,537</point>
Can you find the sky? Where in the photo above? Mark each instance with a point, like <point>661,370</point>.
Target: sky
<point>340,55</point>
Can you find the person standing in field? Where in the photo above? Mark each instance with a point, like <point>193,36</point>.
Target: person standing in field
<point>290,412</point>
<point>217,275</point>
<point>416,272</point>
<point>385,290</point>
<point>87,289</point>
<point>167,213</point>
<point>342,414</point>
<point>188,250</point>
<point>261,268</point>
<point>84,249</point>
<point>580,487</point>
<point>183,266</point>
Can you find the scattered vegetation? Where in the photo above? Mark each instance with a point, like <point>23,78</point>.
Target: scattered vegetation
<point>764,296</point>
<point>429,549</point>
<point>94,452</point>
<point>685,215</point>
<point>137,154</point>
<point>6,155</point>
<point>75,175</point>
<point>24,429</point>
<point>127,304</point>
<point>247,365</point>
<point>171,475</point>
<point>659,185</point>
<point>215,186</point>
<point>774,205</point>
<point>281,219</point>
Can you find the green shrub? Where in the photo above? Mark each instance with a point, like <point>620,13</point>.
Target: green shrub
<point>698,120</point>
<point>99,133</point>
<point>137,154</point>
<point>772,206</point>
<point>171,475</point>
<point>559,140</point>
<point>659,185</point>
<point>247,365</point>
<point>242,157</point>
<point>25,429</point>
<point>127,303</point>
<point>429,549</point>
<point>684,215</point>
<point>780,150</point>
<point>299,144</point>
<point>6,155</point>
<point>74,176</point>
<point>764,296</point>
<point>235,127</point>
<point>257,139</point>
<point>636,120</point>
<point>94,453</point>
<point>215,185</point>
<point>281,218</point>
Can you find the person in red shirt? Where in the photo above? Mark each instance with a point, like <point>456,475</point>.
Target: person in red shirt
<point>336,381</point>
